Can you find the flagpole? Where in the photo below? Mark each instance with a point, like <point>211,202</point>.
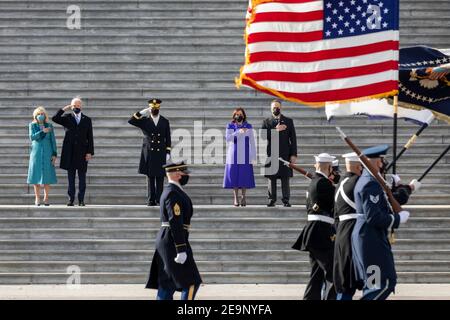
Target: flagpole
<point>434,163</point>
<point>408,145</point>
<point>394,166</point>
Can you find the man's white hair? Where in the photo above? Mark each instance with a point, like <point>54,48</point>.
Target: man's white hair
<point>76,99</point>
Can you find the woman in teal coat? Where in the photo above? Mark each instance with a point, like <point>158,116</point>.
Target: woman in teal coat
<point>41,170</point>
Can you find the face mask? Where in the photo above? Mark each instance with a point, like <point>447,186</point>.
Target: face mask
<point>40,118</point>
<point>155,112</point>
<point>184,180</point>
<point>276,112</point>
<point>239,118</point>
<point>336,178</point>
<point>76,110</point>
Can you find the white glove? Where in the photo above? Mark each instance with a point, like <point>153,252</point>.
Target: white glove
<point>181,258</point>
<point>396,179</point>
<point>167,157</point>
<point>416,185</point>
<point>404,216</point>
<point>144,112</point>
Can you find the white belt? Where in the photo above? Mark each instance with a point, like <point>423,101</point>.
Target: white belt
<point>318,217</point>
<point>345,217</point>
<point>167,224</point>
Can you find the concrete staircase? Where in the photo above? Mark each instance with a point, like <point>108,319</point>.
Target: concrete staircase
<point>187,53</point>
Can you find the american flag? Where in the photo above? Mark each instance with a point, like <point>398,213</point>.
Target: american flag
<point>311,52</point>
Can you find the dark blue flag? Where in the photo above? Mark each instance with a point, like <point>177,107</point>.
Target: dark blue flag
<point>418,88</point>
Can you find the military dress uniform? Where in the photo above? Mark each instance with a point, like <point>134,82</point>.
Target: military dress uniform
<point>344,278</point>
<point>166,275</point>
<point>156,148</point>
<point>317,238</point>
<point>370,238</point>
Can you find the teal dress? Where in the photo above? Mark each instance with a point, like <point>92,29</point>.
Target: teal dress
<point>43,147</point>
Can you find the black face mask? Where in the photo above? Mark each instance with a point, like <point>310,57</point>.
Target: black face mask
<point>276,112</point>
<point>155,112</point>
<point>239,118</point>
<point>184,180</point>
<point>76,110</point>
<point>336,178</point>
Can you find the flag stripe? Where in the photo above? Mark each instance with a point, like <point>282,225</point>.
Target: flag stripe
<point>324,75</point>
<point>323,45</point>
<point>289,7</point>
<point>285,37</point>
<point>323,65</point>
<point>334,95</point>
<point>288,16</point>
<point>326,85</point>
<point>324,54</point>
<point>288,27</point>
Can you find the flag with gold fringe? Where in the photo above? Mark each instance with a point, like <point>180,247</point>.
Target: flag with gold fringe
<point>425,80</point>
<point>311,52</point>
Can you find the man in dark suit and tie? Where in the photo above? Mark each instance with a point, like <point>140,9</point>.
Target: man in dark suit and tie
<point>78,147</point>
<point>281,143</point>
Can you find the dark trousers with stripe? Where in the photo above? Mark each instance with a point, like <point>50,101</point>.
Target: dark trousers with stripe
<point>186,294</point>
<point>320,285</point>
<point>379,293</point>
<point>155,186</point>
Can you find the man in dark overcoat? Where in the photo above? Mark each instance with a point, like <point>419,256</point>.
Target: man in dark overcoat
<point>173,266</point>
<point>78,147</point>
<point>156,147</point>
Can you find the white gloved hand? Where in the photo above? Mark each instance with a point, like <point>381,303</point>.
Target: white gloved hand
<point>167,157</point>
<point>396,179</point>
<point>181,258</point>
<point>145,112</point>
<point>404,216</point>
<point>416,185</point>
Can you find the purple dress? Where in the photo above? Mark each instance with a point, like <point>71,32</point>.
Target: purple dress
<point>241,151</point>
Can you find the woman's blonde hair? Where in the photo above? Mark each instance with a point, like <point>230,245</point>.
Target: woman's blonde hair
<point>40,110</point>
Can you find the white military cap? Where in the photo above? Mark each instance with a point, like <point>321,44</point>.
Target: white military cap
<point>324,157</point>
<point>351,157</point>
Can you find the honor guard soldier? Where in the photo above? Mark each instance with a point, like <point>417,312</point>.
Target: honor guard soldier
<point>345,211</point>
<point>371,249</point>
<point>317,236</point>
<point>173,266</point>
<point>156,147</point>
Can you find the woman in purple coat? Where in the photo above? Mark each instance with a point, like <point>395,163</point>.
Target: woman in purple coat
<point>241,152</point>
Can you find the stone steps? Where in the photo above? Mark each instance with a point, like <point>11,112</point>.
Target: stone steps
<point>187,53</point>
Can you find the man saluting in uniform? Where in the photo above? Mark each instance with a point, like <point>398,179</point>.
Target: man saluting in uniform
<point>173,266</point>
<point>345,210</point>
<point>156,148</point>
<point>318,235</point>
<point>372,252</point>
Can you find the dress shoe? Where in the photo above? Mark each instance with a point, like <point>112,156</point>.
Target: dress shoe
<point>271,204</point>
<point>70,204</point>
<point>81,204</point>
<point>243,202</point>
<point>287,204</point>
<point>151,204</point>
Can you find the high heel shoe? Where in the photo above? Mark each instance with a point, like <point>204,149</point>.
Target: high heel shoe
<point>37,203</point>
<point>46,203</point>
<point>243,202</point>
<point>236,203</point>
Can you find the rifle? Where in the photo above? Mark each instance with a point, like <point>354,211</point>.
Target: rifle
<point>396,207</point>
<point>307,174</point>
